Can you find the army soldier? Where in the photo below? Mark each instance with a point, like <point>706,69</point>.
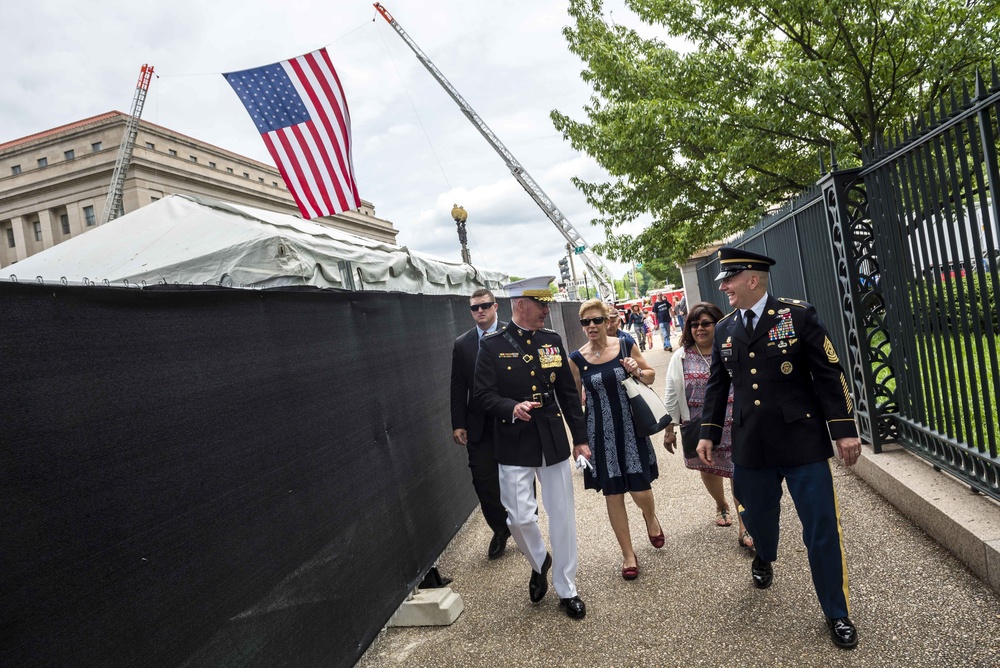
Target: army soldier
<point>521,372</point>
<point>790,398</point>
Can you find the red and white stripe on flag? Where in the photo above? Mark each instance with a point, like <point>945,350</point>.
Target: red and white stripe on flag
<point>306,127</point>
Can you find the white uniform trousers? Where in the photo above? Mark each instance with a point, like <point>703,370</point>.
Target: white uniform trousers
<point>517,496</point>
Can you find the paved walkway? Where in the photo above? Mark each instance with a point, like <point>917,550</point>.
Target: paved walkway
<point>694,605</point>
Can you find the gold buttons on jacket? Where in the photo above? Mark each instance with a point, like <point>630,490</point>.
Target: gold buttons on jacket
<point>532,373</point>
<point>528,342</point>
<point>757,402</point>
<point>752,355</point>
<point>755,386</point>
<point>753,371</point>
<point>508,368</point>
<point>534,389</point>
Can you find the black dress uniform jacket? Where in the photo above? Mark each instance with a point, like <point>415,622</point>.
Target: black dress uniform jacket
<point>465,412</point>
<point>790,395</point>
<point>504,379</point>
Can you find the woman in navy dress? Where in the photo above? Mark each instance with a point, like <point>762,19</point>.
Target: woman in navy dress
<point>622,461</point>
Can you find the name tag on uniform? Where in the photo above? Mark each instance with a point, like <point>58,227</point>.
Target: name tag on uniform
<point>726,352</point>
<point>506,355</point>
<point>549,356</point>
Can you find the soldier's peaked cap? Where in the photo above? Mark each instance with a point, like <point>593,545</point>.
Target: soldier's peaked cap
<point>537,288</point>
<point>734,260</point>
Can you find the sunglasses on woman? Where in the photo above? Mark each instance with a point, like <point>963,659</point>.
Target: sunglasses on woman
<point>705,324</point>
<point>597,321</point>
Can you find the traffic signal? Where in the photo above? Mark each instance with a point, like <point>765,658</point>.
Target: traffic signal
<point>564,268</point>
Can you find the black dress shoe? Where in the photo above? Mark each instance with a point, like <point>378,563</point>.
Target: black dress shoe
<point>539,583</point>
<point>762,573</point>
<point>842,632</point>
<point>575,607</point>
<point>498,544</point>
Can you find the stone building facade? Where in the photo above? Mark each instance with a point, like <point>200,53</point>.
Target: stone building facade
<point>53,184</point>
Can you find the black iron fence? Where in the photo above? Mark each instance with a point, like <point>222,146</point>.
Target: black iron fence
<point>901,259</point>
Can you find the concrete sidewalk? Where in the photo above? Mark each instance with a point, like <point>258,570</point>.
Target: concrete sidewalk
<point>694,605</point>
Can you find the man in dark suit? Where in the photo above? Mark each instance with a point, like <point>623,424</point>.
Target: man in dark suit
<point>470,428</point>
<point>524,384</point>
<point>790,396</point>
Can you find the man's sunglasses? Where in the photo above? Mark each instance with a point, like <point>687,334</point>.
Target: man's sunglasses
<point>597,321</point>
<point>482,307</point>
<point>705,324</point>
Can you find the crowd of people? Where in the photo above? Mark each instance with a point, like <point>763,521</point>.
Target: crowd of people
<point>758,396</point>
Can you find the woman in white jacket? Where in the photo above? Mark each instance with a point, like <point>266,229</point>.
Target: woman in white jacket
<point>687,377</point>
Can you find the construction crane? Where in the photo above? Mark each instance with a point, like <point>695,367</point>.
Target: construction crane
<point>113,205</point>
<point>598,269</point>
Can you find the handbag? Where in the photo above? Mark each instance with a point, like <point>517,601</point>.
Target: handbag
<point>649,414</point>
<point>690,435</point>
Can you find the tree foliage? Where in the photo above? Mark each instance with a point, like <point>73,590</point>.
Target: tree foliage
<point>708,138</point>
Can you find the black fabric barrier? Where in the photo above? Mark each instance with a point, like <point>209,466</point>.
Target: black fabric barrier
<point>206,477</point>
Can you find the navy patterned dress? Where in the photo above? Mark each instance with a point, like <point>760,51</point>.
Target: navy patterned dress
<point>623,461</point>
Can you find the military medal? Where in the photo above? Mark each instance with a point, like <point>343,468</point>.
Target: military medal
<point>549,357</point>
<point>552,377</point>
<point>786,368</point>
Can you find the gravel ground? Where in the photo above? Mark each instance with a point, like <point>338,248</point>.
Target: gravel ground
<point>694,605</point>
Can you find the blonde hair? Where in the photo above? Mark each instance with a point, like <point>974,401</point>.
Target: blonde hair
<point>594,304</point>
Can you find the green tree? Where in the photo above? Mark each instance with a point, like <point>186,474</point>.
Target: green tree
<point>662,271</point>
<point>708,139</point>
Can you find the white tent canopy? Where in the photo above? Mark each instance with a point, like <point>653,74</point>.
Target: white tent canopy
<point>184,239</point>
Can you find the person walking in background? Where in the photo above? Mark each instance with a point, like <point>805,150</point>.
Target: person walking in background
<point>680,310</point>
<point>469,425</point>
<point>664,315</point>
<point>615,326</point>
<point>687,377</point>
<point>649,330</point>
<point>637,323</point>
<point>790,396</point>
<point>524,383</point>
<point>622,461</point>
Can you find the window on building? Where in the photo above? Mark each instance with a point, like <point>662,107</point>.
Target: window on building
<point>274,183</point>
<point>150,146</point>
<point>211,164</point>
<point>172,152</point>
<point>246,175</point>
<point>38,231</point>
<point>15,169</point>
<point>229,169</point>
<point>88,215</point>
<point>70,154</point>
<point>261,179</point>
<point>153,199</point>
<point>43,162</point>
<point>10,237</point>
<point>194,158</point>
<point>96,146</point>
<point>64,220</point>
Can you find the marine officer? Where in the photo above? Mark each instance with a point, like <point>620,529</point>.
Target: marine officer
<point>524,383</point>
<point>790,398</point>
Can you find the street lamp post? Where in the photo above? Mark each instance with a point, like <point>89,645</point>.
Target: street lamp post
<point>460,216</point>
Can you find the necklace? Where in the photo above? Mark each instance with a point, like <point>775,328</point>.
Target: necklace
<point>706,360</point>
<point>597,353</point>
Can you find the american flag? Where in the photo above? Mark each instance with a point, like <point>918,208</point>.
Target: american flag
<point>300,110</point>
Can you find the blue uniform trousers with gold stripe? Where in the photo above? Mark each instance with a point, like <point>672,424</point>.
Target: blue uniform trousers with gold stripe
<point>811,487</point>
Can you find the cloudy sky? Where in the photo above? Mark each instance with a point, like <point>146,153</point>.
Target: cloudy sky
<point>415,154</point>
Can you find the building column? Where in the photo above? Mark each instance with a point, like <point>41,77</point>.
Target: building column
<point>75,219</point>
<point>45,218</point>
<point>20,245</point>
